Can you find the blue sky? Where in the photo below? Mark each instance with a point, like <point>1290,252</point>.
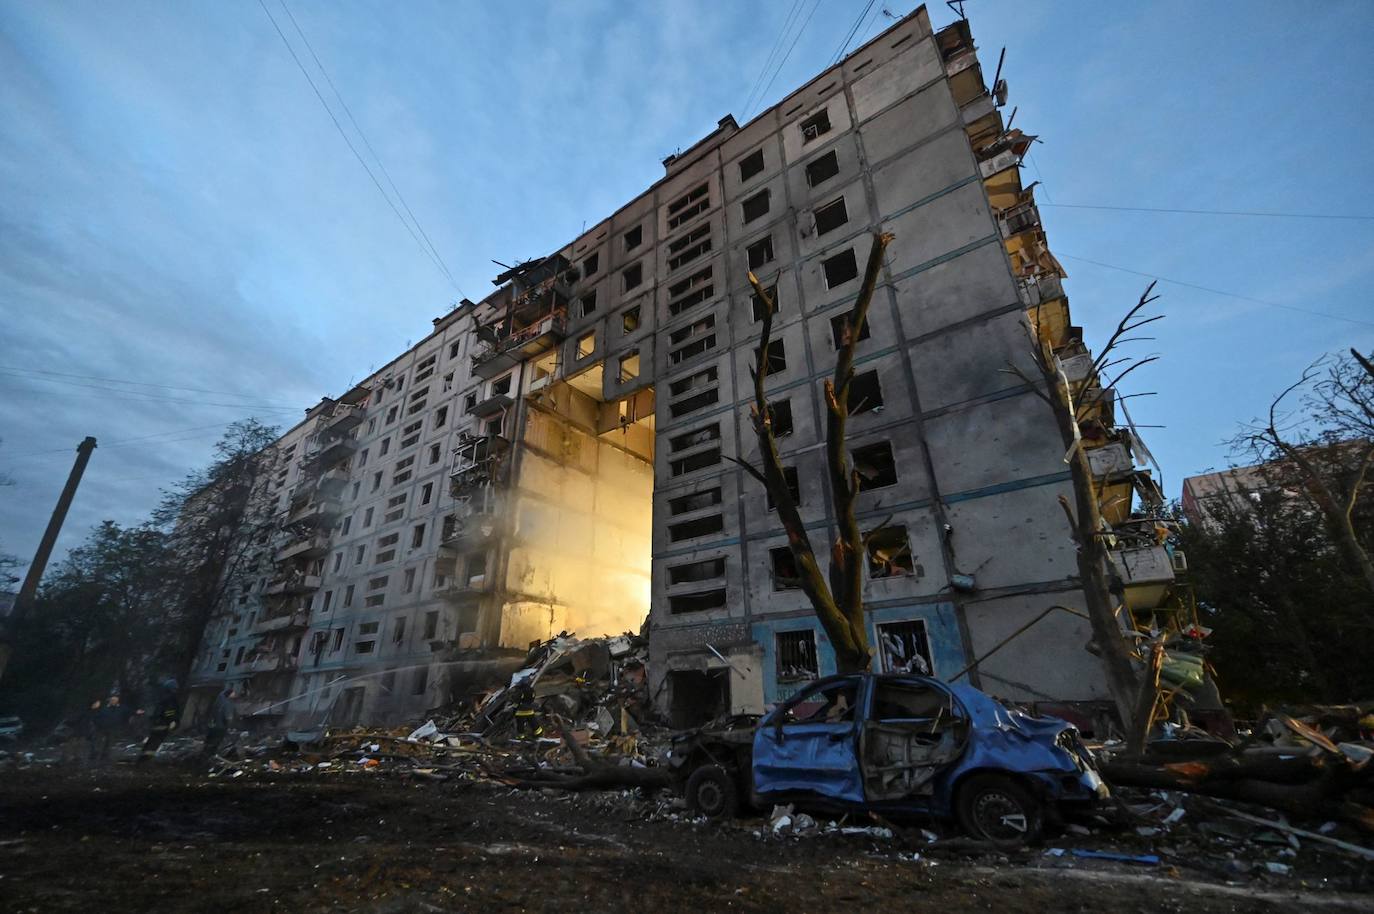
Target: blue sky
<point>177,209</point>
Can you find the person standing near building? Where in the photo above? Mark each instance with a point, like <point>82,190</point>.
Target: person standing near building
<point>109,725</point>
<point>163,719</point>
<point>221,720</point>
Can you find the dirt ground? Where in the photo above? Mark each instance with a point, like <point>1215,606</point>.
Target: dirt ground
<point>126,839</point>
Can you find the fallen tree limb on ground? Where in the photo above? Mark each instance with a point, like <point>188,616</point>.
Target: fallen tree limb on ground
<point>1306,785</point>
<point>594,774</point>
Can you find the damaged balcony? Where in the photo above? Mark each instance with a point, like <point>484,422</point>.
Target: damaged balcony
<point>332,482</point>
<point>344,418</point>
<point>1003,153</point>
<point>537,337</point>
<point>464,534</point>
<point>464,587</point>
<point>317,511</point>
<point>329,451</point>
<point>477,462</point>
<point>491,406</point>
<point>1147,572</point>
<point>1110,461</point>
<point>303,547</point>
<point>1022,217</point>
<point>293,584</point>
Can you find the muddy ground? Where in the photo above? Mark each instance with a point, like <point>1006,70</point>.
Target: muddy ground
<point>126,839</point>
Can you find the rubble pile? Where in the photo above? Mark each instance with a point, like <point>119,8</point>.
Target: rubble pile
<point>1316,765</point>
<point>576,714</point>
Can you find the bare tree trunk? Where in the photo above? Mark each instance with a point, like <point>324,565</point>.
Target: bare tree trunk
<point>837,599</point>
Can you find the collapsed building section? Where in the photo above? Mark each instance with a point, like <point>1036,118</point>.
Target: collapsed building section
<point>561,456</point>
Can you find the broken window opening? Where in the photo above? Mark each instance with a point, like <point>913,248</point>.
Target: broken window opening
<point>694,502</point>
<point>633,237</point>
<point>756,303</point>
<point>822,169</point>
<point>777,357</point>
<point>796,656</point>
<point>815,126</point>
<point>706,570</point>
<point>889,553</point>
<point>755,207</point>
<point>751,165</point>
<point>786,574</point>
<point>780,418</point>
<point>629,366</point>
<point>692,203</point>
<point>703,435</point>
<point>905,647</point>
<point>590,264</point>
<point>831,216</point>
<point>696,602</point>
<point>586,344</point>
<point>629,321</point>
<point>694,462</point>
<point>691,529</point>
<point>789,476</point>
<point>760,252</point>
<point>875,466</point>
<point>840,328</point>
<point>589,303</point>
<point>840,269</point>
<point>632,276</point>
<point>865,393</point>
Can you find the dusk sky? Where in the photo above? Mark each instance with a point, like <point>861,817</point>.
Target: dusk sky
<point>186,240</point>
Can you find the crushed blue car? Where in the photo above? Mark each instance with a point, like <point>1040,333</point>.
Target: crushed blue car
<point>900,745</point>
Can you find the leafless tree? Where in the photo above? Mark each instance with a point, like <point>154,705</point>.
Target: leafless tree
<point>1324,447</point>
<point>1133,688</point>
<point>836,597</point>
<point>217,519</point>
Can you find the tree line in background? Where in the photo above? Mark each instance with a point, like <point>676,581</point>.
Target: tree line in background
<point>1282,574</point>
<point>129,606</point>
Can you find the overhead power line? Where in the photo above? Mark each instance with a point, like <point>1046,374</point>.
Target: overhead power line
<point>353,149</point>
<point>86,377</point>
<point>850,36</point>
<point>768,62</point>
<point>1211,212</point>
<point>141,396</point>
<point>378,159</point>
<point>1189,285</point>
<point>159,437</point>
<point>781,63</point>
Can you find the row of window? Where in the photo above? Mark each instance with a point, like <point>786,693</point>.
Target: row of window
<point>888,555</point>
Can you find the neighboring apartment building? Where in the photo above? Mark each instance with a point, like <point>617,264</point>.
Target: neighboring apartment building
<point>591,404</point>
<point>1236,487</point>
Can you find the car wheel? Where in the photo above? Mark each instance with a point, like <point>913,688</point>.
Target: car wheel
<point>711,792</point>
<point>994,808</point>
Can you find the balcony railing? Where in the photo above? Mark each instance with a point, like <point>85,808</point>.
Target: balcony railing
<point>313,512</point>
<point>303,547</point>
<point>332,482</point>
<point>470,586</point>
<point>303,583</point>
<point>343,418</point>
<point>539,336</point>
<point>1147,572</point>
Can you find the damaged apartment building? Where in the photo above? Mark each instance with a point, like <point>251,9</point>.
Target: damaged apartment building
<point>558,456</point>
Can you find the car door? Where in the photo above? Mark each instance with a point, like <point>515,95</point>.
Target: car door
<point>913,728</point>
<point>810,743</point>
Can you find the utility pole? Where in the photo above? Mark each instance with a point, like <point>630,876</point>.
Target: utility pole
<point>40,558</point>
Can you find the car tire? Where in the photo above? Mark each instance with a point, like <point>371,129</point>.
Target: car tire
<point>996,809</point>
<point>711,792</point>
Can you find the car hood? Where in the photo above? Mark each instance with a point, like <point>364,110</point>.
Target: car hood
<point>1001,737</point>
